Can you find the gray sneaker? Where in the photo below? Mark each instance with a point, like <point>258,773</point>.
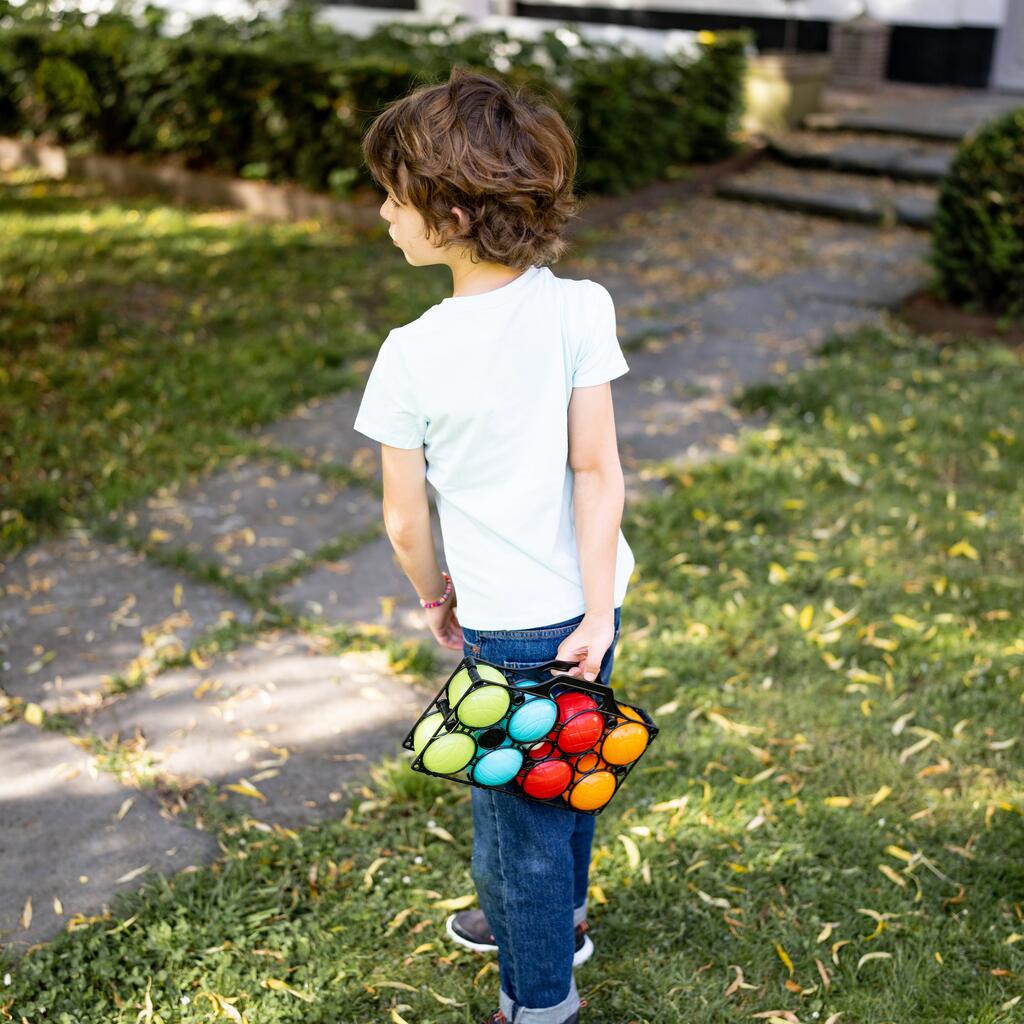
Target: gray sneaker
<point>469,928</point>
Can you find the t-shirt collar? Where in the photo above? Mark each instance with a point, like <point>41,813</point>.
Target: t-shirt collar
<point>495,295</point>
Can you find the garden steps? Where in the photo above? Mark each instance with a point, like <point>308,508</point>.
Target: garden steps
<point>868,199</point>
<point>938,115</point>
<point>897,158</point>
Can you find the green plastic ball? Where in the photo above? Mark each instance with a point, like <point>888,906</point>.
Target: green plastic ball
<point>447,754</point>
<point>462,681</point>
<point>425,730</point>
<point>484,706</point>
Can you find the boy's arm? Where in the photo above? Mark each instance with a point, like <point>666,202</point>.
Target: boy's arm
<point>407,518</point>
<point>598,501</point>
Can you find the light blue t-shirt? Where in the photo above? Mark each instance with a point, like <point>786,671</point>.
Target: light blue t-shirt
<point>483,382</point>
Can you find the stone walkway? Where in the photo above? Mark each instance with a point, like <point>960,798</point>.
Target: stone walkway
<point>710,294</point>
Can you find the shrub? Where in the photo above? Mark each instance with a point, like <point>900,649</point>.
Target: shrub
<point>978,232</point>
<point>290,100</point>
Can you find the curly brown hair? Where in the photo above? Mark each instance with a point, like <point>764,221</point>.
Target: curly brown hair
<point>505,157</point>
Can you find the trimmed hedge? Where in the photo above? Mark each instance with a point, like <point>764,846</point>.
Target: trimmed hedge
<point>290,101</point>
<point>978,231</point>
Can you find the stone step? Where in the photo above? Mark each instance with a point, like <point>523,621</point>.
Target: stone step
<point>946,117</point>
<point>901,159</point>
<point>933,130</point>
<point>835,194</point>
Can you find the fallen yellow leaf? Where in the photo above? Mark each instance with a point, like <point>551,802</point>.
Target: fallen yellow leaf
<point>456,902</point>
<point>784,957</point>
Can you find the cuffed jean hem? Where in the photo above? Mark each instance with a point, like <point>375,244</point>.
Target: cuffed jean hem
<point>579,914</point>
<point>545,1015</point>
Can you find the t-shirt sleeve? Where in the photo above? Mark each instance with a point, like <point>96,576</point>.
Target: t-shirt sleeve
<point>599,356</point>
<point>388,410</point>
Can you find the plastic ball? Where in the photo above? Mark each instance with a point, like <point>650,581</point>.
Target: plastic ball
<point>587,763</point>
<point>447,754</point>
<point>425,730</point>
<point>547,779</point>
<point>629,712</point>
<point>524,684</point>
<point>581,732</point>
<point>592,791</point>
<point>572,702</point>
<point>497,767</point>
<point>541,750</point>
<point>462,681</point>
<point>625,743</point>
<point>483,706</point>
<point>532,720</point>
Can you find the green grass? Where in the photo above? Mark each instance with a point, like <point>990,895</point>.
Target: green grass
<point>140,341</point>
<point>827,627</point>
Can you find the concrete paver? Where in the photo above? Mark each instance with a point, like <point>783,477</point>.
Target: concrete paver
<point>293,722</point>
<point>321,430</point>
<point>253,517</point>
<point>75,835</point>
<point>76,610</point>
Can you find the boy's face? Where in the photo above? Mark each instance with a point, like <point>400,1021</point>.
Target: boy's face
<point>408,231</point>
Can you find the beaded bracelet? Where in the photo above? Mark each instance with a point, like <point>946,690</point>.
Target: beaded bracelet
<point>444,597</point>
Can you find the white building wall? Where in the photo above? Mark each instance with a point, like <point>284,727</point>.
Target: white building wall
<point>934,13</point>
<point>931,13</point>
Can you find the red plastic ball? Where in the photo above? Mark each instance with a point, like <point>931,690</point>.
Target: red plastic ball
<point>547,779</point>
<point>581,732</point>
<point>542,749</point>
<point>570,703</point>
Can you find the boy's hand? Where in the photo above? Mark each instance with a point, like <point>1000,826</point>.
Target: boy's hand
<point>588,643</point>
<point>444,624</point>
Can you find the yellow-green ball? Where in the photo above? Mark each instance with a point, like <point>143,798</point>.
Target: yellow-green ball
<point>462,681</point>
<point>447,754</point>
<point>484,706</point>
<point>425,730</point>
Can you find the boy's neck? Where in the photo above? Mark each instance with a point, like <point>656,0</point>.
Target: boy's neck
<point>477,278</point>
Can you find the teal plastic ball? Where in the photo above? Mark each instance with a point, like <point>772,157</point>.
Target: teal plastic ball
<point>497,767</point>
<point>532,720</point>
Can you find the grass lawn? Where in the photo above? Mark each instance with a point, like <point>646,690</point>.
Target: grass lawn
<point>140,340</point>
<point>828,629</point>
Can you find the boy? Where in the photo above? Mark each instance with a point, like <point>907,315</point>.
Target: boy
<point>499,396</point>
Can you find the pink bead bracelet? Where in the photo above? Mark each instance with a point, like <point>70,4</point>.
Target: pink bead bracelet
<point>444,597</point>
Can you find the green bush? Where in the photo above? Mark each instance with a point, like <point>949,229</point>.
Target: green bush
<point>289,100</point>
<point>978,232</point>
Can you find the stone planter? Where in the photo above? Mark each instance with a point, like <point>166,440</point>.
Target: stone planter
<point>781,89</point>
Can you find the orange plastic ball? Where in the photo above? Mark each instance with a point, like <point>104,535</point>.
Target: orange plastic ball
<point>592,791</point>
<point>625,743</point>
<point>587,762</point>
<point>629,712</point>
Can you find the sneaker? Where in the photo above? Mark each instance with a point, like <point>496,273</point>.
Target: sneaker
<point>499,1018</point>
<point>469,928</point>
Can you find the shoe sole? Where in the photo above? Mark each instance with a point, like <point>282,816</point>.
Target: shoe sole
<point>582,955</point>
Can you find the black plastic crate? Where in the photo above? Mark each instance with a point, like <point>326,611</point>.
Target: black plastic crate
<point>555,739</point>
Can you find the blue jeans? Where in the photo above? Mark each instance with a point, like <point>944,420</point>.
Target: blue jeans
<point>531,861</point>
